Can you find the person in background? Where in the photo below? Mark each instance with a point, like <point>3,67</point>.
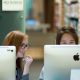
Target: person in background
<point>65,36</point>
<point>20,41</point>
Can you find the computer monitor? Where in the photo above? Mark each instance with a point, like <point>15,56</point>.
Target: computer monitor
<point>59,60</point>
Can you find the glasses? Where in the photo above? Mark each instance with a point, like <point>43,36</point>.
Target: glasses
<point>23,45</point>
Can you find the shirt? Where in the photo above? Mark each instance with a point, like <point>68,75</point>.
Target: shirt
<point>20,76</point>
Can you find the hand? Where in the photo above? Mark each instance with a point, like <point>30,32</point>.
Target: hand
<point>28,60</point>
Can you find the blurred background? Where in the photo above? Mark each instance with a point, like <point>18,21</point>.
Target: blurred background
<point>40,20</point>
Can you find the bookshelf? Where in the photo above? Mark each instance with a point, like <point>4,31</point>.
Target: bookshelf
<point>71,13</point>
<point>79,18</point>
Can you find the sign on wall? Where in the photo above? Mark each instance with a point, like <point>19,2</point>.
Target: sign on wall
<point>12,5</point>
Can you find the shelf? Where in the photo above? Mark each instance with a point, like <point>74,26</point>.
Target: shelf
<point>73,18</point>
<point>73,2</point>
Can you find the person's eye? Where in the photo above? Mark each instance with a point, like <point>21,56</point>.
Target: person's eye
<point>63,43</point>
<point>72,42</point>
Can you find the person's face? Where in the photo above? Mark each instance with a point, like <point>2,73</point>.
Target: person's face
<point>22,48</point>
<point>67,39</point>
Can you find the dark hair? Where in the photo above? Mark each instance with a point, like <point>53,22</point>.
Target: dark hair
<point>68,30</point>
